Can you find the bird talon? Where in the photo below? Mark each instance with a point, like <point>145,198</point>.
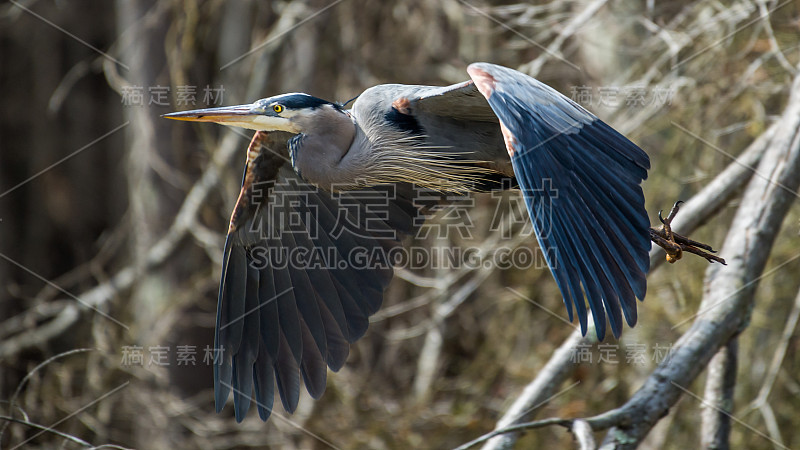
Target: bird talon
<point>674,244</point>
<point>673,257</point>
<point>672,213</point>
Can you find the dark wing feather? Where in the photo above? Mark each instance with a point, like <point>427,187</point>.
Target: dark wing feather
<point>228,335</point>
<point>581,181</point>
<point>279,318</point>
<point>263,383</point>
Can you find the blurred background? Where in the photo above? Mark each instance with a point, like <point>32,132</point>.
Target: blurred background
<point>103,204</point>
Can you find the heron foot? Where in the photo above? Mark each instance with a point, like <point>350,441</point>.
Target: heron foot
<point>675,244</point>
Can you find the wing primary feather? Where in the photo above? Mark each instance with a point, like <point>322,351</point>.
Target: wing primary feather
<point>244,359</point>
<point>540,201</point>
<point>264,383</point>
<point>223,345</point>
<point>624,255</point>
<point>287,376</point>
<point>319,276</point>
<point>242,391</point>
<point>234,288</point>
<point>223,375</point>
<point>346,244</point>
<point>584,240</point>
<point>269,318</point>
<point>305,297</point>
<point>287,309</point>
<point>357,320</point>
<point>579,257</point>
<point>604,296</point>
<point>313,366</point>
<point>618,239</point>
<point>338,347</point>
<point>365,284</point>
<point>325,296</point>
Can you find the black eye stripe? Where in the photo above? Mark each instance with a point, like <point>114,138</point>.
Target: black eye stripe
<point>302,101</point>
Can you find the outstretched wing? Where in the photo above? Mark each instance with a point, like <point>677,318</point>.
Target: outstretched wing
<point>303,270</point>
<point>581,180</point>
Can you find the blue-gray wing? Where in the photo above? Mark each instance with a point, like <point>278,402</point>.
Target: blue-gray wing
<point>581,181</point>
<point>303,270</point>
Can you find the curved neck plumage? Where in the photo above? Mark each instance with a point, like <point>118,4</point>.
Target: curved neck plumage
<point>319,153</point>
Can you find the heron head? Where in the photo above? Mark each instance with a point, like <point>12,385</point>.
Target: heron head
<point>285,112</point>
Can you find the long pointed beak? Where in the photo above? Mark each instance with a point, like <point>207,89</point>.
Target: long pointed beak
<point>239,114</point>
<point>251,117</point>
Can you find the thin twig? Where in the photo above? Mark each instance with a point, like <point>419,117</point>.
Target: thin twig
<point>70,437</point>
<point>566,423</point>
<point>12,402</point>
<point>575,24</point>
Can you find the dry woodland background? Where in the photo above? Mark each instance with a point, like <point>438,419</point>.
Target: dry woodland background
<point>104,204</point>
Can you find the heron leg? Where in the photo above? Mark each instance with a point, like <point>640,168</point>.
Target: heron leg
<point>675,244</point>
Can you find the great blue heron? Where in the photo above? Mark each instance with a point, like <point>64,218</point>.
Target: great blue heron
<point>579,177</point>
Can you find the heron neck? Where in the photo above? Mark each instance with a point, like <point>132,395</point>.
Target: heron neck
<point>319,153</point>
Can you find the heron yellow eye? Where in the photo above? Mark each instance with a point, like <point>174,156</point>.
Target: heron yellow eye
<point>277,108</point>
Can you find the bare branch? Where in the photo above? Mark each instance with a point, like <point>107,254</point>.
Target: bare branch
<point>773,43</point>
<point>780,353</point>
<point>720,385</point>
<point>583,434</point>
<point>579,20</point>
<point>566,423</point>
<point>761,402</point>
<point>581,429</point>
<point>557,369</point>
